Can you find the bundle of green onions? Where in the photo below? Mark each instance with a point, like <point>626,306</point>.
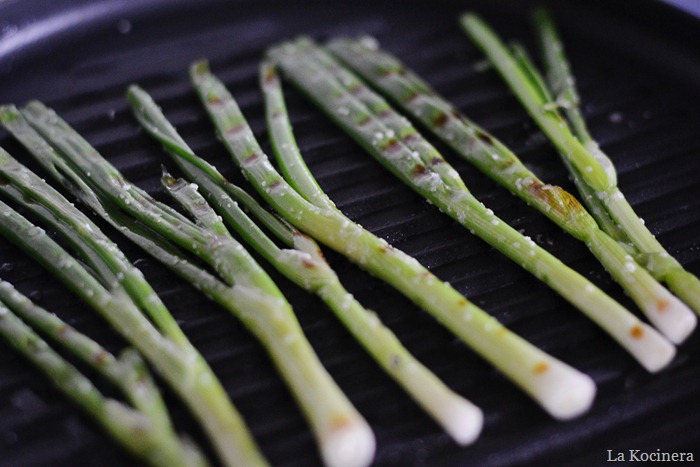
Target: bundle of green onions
<point>303,263</point>
<point>199,247</point>
<point>142,426</point>
<point>113,287</point>
<point>242,287</point>
<point>554,105</point>
<point>384,72</point>
<point>561,390</point>
<point>392,140</point>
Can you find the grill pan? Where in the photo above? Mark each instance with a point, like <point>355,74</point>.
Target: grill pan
<point>637,71</point>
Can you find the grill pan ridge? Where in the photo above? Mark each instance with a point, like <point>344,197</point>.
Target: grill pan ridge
<point>635,73</point>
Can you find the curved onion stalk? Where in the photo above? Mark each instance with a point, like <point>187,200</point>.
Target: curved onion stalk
<point>113,287</point>
<point>251,294</point>
<point>304,264</point>
<point>393,141</point>
<point>344,438</point>
<point>560,389</point>
<point>592,169</point>
<point>144,429</point>
<point>492,157</point>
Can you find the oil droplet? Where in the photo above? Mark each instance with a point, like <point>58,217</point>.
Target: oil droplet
<point>124,26</point>
<point>615,117</point>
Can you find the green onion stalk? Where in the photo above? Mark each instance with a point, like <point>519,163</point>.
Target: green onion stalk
<point>394,142</point>
<point>242,286</point>
<point>593,171</point>
<point>563,391</point>
<point>142,425</point>
<point>415,97</point>
<point>118,291</point>
<point>302,261</point>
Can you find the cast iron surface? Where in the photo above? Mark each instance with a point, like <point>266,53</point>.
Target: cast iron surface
<point>638,73</point>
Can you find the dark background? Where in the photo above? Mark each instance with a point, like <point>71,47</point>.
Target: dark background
<point>637,69</point>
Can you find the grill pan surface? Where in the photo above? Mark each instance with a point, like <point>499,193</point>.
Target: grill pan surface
<point>638,74</point>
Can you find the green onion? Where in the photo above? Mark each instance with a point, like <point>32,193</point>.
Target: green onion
<point>303,263</point>
<point>560,389</point>
<point>594,173</point>
<point>112,286</point>
<point>492,157</point>
<point>242,287</point>
<point>144,427</point>
<point>394,142</point>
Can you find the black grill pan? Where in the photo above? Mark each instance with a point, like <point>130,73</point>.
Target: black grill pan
<point>638,69</point>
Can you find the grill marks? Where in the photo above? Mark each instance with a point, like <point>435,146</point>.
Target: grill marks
<point>214,99</point>
<point>392,145</point>
<point>561,201</point>
<point>637,332</point>
<point>419,170</point>
<point>174,92</point>
<point>540,368</point>
<point>483,137</point>
<point>236,129</point>
<point>441,119</point>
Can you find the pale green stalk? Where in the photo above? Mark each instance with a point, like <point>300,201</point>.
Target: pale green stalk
<point>615,206</point>
<point>392,140</point>
<point>180,366</point>
<point>566,102</point>
<point>550,122</point>
<point>585,160</point>
<point>562,88</point>
<point>493,158</point>
<point>124,372</point>
<point>145,430</point>
<point>304,264</point>
<point>399,126</point>
<point>254,298</point>
<point>344,438</point>
<point>110,289</point>
<point>561,390</point>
